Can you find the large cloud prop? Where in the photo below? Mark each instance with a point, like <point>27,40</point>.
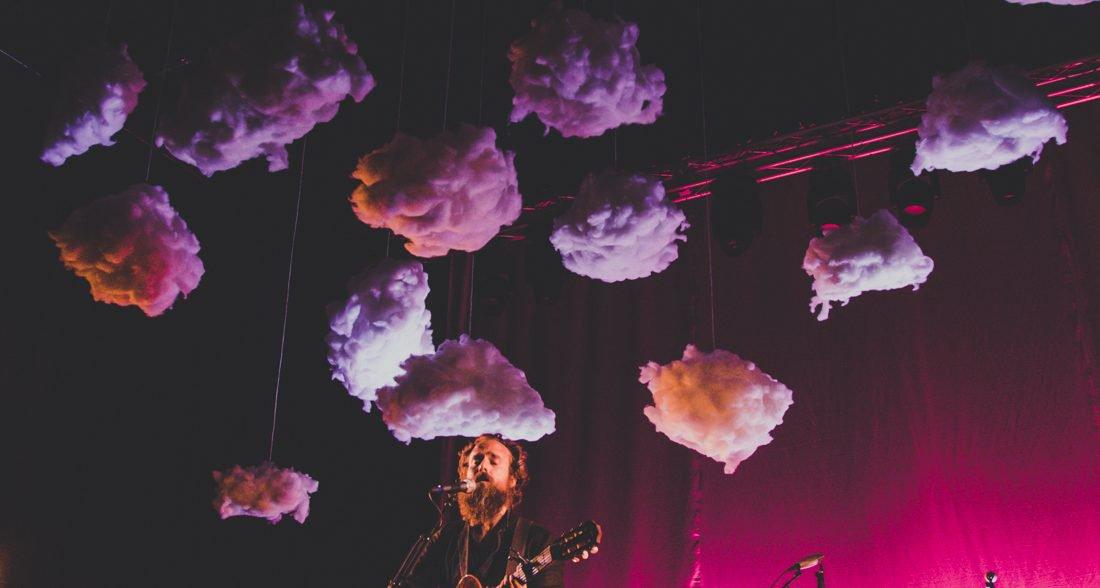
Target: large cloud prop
<point>467,388</point>
<point>265,491</point>
<point>620,227</point>
<point>133,248</point>
<point>868,254</point>
<point>453,191</point>
<point>101,92</point>
<point>715,403</point>
<point>382,323</point>
<point>582,76</point>
<point>264,91</point>
<point>982,118</point>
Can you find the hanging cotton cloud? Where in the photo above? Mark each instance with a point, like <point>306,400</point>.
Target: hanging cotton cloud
<point>381,324</point>
<point>133,248</point>
<point>102,90</point>
<point>453,191</point>
<point>983,118</point>
<point>620,227</point>
<point>715,403</point>
<point>869,254</point>
<point>265,491</point>
<point>265,90</point>
<point>582,76</point>
<point>467,388</point>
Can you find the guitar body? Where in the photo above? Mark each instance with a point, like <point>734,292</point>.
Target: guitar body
<point>469,581</point>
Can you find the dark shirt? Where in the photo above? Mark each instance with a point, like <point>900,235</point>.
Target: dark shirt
<point>487,558</point>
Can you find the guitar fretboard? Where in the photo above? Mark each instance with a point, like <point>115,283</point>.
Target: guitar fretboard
<point>540,561</point>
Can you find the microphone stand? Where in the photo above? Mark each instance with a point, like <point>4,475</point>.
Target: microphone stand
<point>820,575</point>
<point>797,573</point>
<point>420,548</point>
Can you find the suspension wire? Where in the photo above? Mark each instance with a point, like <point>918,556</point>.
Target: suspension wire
<point>162,74</point>
<point>480,111</point>
<point>696,495</point>
<point>450,61</point>
<point>107,21</point>
<point>21,63</point>
<point>842,44</point>
<point>286,301</point>
<point>400,90</point>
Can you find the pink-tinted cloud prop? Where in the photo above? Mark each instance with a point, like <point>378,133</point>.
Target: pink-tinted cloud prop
<point>264,91</point>
<point>265,491</point>
<point>868,254</point>
<point>715,403</point>
<point>453,191</point>
<point>382,323</point>
<point>133,248</point>
<point>583,76</point>
<point>467,388</point>
<point>621,227</point>
<point>982,118</point>
<point>101,91</point>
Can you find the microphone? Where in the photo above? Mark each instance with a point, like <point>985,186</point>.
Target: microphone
<point>807,562</point>
<point>456,488</point>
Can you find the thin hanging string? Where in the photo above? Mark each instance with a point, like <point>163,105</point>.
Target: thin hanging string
<point>107,21</point>
<point>480,112</point>
<point>450,61</point>
<point>400,90</point>
<point>24,65</point>
<point>696,496</point>
<point>286,301</point>
<point>841,42</point>
<point>966,31</point>
<point>160,92</point>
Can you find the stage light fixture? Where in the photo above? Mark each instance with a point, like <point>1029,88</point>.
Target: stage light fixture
<point>737,215</point>
<point>1008,181</point>
<point>830,202</point>
<point>912,197</point>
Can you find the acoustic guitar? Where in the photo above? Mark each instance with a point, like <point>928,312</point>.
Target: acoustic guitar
<point>572,544</point>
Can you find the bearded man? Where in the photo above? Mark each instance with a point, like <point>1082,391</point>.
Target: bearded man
<point>480,543</point>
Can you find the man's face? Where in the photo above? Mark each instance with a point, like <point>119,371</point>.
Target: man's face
<point>490,463</point>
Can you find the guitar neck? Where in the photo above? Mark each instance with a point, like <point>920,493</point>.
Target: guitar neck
<point>540,561</point>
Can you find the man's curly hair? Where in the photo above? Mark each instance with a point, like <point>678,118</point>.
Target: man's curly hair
<point>518,467</point>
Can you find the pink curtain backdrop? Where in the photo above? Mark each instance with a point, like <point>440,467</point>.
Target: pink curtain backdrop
<point>934,434</point>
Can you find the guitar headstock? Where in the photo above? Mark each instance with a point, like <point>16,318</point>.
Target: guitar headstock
<point>577,540</point>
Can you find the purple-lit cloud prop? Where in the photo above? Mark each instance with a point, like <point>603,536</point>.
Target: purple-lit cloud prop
<point>381,324</point>
<point>133,248</point>
<point>869,254</point>
<point>583,76</point>
<point>265,90</point>
<point>715,403</point>
<point>265,491</point>
<point>101,91</point>
<point>982,118</point>
<point>453,191</point>
<point>621,227</point>
<point>467,388</point>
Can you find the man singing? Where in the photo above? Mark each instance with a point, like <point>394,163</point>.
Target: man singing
<point>479,544</point>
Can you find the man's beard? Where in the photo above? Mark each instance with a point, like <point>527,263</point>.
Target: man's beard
<point>483,504</point>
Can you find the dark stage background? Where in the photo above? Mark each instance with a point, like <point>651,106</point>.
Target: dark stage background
<point>934,435</point>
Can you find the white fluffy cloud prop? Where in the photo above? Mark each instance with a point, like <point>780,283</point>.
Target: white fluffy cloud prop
<point>583,76</point>
<point>1056,2</point>
<point>715,403</point>
<point>621,227</point>
<point>381,324</point>
<point>264,91</point>
<point>133,248</point>
<point>453,191</point>
<point>101,92</point>
<point>265,491</point>
<point>467,388</point>
<point>982,118</point>
<point>869,254</point>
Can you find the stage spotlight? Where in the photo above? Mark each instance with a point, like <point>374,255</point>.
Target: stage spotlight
<point>830,202</point>
<point>737,214</point>
<point>913,197</point>
<point>1007,182</point>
